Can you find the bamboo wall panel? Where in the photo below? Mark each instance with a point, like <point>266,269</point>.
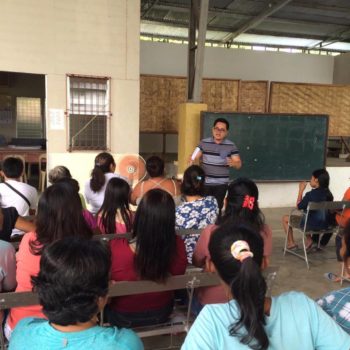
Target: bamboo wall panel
<point>220,95</point>
<point>253,96</point>
<point>161,95</point>
<point>333,100</point>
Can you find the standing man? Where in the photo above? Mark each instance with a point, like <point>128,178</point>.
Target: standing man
<point>218,154</point>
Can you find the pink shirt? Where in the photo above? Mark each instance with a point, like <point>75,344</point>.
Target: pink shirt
<point>216,294</point>
<point>28,265</point>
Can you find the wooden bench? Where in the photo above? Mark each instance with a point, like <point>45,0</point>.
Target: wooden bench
<point>338,206</point>
<point>192,279</point>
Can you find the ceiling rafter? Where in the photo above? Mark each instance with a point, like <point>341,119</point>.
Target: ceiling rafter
<point>256,20</point>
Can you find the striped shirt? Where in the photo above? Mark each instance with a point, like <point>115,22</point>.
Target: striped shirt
<point>214,160</point>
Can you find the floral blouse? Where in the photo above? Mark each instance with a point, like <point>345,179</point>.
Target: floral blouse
<point>196,215</point>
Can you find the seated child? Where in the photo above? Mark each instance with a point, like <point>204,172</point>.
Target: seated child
<point>242,207</point>
<point>318,219</point>
<point>72,286</point>
<point>198,211</point>
<point>115,215</point>
<point>154,253</point>
<point>249,320</point>
<point>14,193</point>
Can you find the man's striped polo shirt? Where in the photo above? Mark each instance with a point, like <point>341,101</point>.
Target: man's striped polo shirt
<point>214,160</point>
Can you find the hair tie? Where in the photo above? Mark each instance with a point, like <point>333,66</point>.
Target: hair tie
<point>97,164</point>
<point>248,202</point>
<point>199,178</point>
<point>240,250</point>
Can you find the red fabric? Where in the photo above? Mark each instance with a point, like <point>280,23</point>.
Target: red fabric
<point>342,220</point>
<point>123,270</point>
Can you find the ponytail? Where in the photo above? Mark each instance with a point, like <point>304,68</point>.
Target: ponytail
<point>103,162</point>
<point>250,282</point>
<point>242,273</point>
<point>97,179</point>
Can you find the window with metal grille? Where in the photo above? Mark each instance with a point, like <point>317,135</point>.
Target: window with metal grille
<point>88,112</point>
<point>29,120</point>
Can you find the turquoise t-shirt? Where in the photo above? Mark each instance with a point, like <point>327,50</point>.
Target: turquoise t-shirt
<point>38,334</point>
<point>295,322</point>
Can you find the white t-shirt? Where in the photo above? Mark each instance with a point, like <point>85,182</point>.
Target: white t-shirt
<point>9,198</point>
<point>95,199</point>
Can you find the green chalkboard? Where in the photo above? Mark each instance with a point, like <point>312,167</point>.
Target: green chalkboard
<point>274,147</point>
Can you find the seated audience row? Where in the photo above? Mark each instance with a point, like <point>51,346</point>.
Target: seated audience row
<point>72,286</point>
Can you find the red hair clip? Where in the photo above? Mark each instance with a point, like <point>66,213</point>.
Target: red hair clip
<point>248,202</point>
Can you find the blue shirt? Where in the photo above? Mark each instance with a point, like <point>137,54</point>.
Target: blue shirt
<point>318,219</point>
<point>337,305</point>
<point>295,323</point>
<point>38,334</point>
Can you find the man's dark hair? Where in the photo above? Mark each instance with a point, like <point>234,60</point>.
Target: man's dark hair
<point>155,166</point>
<point>222,120</point>
<point>12,167</point>
<point>74,272</point>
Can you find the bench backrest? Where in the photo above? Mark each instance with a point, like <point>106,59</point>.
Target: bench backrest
<point>337,205</point>
<point>192,279</point>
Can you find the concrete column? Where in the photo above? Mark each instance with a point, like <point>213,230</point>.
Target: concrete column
<point>189,131</point>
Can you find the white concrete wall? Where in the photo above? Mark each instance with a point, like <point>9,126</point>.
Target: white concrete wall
<point>342,69</point>
<point>171,59</point>
<point>274,195</point>
<point>87,37</point>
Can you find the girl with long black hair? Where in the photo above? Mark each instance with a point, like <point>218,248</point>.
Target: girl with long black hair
<point>154,253</point>
<point>249,320</point>
<point>115,215</point>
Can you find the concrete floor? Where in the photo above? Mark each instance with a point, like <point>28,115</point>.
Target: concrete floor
<point>292,273</point>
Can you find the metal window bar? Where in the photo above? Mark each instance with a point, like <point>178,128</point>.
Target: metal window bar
<point>89,115</point>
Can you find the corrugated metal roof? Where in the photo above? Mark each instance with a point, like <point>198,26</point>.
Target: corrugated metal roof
<point>305,23</point>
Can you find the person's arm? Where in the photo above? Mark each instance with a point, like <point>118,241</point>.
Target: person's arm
<point>24,225</point>
<point>196,155</point>
<point>135,194</point>
<point>234,161</point>
<point>9,268</point>
<point>302,186</point>
<point>201,251</point>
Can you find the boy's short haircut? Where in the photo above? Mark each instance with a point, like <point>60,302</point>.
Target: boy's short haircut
<point>74,273</point>
<point>12,167</point>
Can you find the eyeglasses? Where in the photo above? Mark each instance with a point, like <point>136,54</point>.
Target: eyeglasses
<point>220,130</point>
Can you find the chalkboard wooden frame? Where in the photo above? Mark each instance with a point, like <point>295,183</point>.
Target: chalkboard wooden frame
<point>282,168</point>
